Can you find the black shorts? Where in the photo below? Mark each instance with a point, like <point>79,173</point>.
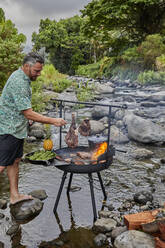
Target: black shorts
<point>10,149</point>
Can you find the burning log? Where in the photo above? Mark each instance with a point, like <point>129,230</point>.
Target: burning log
<point>71,138</point>
<point>85,128</point>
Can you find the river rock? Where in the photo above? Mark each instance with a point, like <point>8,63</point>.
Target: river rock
<point>26,209</point>
<point>130,239</point>
<point>96,127</point>
<point>99,112</point>
<point>104,88</point>
<point>3,204</point>
<point>37,130</point>
<point>2,216</point>
<point>13,229</point>
<point>2,245</point>
<point>68,96</point>
<point>104,225</point>
<point>39,194</point>
<point>142,153</point>
<point>100,239</point>
<point>143,197</point>
<point>144,131</point>
<point>117,231</point>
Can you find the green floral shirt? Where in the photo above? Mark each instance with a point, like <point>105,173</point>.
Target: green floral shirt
<point>16,96</point>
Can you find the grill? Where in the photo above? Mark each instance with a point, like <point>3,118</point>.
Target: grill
<point>66,158</point>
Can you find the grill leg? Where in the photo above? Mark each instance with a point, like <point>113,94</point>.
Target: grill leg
<point>102,185</point>
<point>60,191</point>
<point>69,184</point>
<point>92,196</point>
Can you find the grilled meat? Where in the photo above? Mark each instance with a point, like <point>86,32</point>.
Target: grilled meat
<point>85,128</point>
<point>71,138</point>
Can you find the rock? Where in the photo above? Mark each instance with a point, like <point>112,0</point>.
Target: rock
<point>142,153</point>
<point>104,225</point>
<point>71,96</point>
<point>39,194</point>
<point>143,197</point>
<point>99,112</point>
<point>26,210</point>
<point>104,88</point>
<point>144,131</point>
<point>100,239</point>
<point>31,139</point>
<point>117,231</point>
<point>131,239</point>
<point>3,204</point>
<point>13,229</point>
<point>117,136</point>
<point>2,245</point>
<point>96,127</point>
<point>39,134</point>
<point>104,214</point>
<point>2,216</point>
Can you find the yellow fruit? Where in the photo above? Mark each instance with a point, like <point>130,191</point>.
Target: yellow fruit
<point>48,144</point>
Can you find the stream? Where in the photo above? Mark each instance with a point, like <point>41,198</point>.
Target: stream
<point>74,219</point>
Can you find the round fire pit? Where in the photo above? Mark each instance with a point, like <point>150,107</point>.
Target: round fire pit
<point>85,165</point>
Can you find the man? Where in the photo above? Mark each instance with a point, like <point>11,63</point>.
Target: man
<point>15,113</point>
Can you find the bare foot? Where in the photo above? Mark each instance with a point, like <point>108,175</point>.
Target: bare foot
<point>20,198</point>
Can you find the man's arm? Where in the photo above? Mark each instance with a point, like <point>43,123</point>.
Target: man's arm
<point>34,116</point>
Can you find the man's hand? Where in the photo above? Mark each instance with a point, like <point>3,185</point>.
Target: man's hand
<point>58,122</point>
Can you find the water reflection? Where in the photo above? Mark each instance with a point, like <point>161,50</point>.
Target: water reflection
<point>75,237</point>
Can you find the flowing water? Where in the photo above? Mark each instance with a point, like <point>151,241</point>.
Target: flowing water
<point>74,219</point>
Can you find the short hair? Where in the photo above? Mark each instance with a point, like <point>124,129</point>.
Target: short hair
<point>32,58</point>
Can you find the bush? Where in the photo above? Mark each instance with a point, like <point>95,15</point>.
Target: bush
<point>160,63</point>
<point>50,77</point>
<point>151,77</point>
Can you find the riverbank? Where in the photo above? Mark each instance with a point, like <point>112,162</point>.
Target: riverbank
<point>139,169</point>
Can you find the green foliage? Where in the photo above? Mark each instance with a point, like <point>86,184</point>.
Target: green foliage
<point>151,77</point>
<point>65,43</point>
<point>125,72</point>
<point>160,63</point>
<point>38,100</point>
<point>91,70</point>
<point>150,49</point>
<point>135,19</point>
<point>49,78</point>
<point>2,15</point>
<point>10,49</point>
<point>99,69</point>
<point>84,92</point>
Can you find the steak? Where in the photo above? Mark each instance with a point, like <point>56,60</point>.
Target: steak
<point>85,128</point>
<point>71,138</point>
<point>84,155</point>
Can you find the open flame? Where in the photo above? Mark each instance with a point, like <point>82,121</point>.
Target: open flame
<point>100,150</point>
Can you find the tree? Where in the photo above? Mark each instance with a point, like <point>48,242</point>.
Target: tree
<point>135,19</point>
<point>64,41</point>
<point>10,48</point>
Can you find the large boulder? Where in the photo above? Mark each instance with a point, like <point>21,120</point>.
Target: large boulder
<point>131,239</point>
<point>144,131</point>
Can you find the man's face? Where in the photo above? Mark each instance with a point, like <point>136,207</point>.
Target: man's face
<point>34,71</point>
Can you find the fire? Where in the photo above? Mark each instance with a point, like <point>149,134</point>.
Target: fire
<point>100,150</point>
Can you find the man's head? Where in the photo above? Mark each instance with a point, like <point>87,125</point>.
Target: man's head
<point>32,65</point>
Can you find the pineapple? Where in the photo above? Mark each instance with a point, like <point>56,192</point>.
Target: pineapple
<point>48,143</point>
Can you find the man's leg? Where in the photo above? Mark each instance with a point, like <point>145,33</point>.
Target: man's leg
<point>13,175</point>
